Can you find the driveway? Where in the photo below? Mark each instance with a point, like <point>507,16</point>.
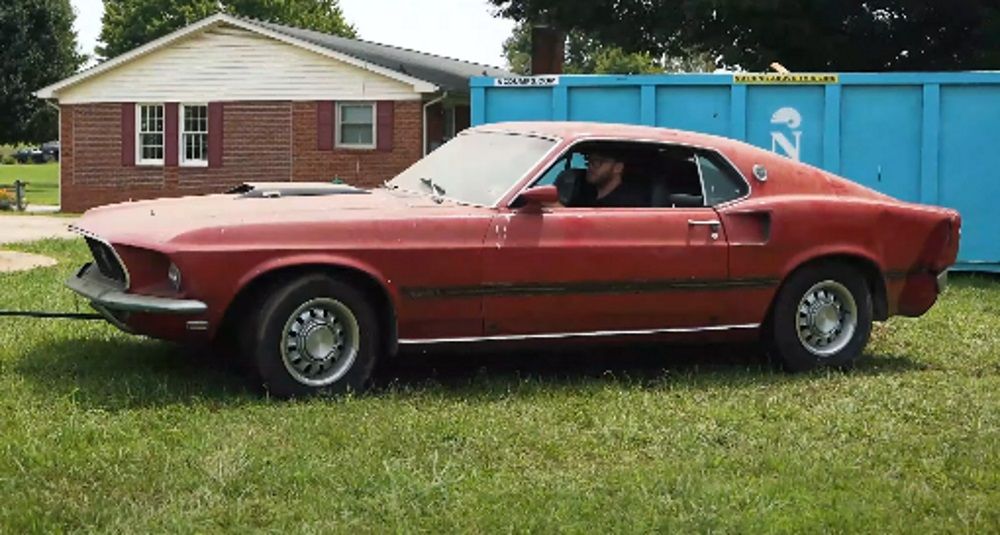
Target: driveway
<point>22,228</point>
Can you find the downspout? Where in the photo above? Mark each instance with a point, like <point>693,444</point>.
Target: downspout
<point>426,107</point>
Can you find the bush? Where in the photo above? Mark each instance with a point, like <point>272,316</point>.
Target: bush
<point>7,159</point>
<point>7,199</point>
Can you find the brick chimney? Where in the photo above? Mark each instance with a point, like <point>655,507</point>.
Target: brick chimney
<point>548,48</point>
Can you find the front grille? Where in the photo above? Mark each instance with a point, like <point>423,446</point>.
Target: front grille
<point>106,260</point>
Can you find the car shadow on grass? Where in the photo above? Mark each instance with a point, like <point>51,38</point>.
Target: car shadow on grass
<point>119,374</point>
<point>123,374</point>
<point>633,366</point>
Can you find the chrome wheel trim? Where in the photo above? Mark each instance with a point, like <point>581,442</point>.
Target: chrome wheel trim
<point>320,341</point>
<point>826,318</point>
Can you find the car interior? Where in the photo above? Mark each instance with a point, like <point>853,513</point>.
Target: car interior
<point>672,176</point>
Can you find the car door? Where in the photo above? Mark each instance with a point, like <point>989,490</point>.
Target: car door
<point>592,270</point>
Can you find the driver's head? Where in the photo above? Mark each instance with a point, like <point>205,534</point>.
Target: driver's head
<point>603,168</point>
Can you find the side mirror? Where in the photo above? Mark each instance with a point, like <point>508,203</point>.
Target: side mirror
<point>538,196</point>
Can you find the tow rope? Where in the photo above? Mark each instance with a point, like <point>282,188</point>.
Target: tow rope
<point>51,315</point>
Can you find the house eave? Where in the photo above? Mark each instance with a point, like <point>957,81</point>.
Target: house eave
<point>52,91</point>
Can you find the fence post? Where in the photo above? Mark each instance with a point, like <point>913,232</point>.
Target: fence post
<point>19,195</point>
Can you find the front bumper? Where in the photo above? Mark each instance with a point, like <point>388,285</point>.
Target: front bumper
<point>105,294</point>
<point>942,281</point>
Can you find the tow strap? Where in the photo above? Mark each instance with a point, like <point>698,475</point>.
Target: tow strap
<point>51,315</point>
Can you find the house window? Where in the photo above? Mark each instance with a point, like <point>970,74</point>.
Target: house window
<point>150,134</point>
<point>356,125</point>
<point>194,134</point>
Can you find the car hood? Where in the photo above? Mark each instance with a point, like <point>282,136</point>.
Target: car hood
<point>203,219</point>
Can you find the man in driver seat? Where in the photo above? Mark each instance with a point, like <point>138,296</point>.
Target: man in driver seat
<point>605,173</point>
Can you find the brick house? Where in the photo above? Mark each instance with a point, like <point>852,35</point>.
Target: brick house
<point>228,100</point>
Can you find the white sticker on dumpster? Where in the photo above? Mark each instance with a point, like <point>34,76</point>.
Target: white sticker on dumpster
<point>527,81</point>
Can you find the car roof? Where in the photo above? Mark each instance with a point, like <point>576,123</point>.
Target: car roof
<point>572,130</point>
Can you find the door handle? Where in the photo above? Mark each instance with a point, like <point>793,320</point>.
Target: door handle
<point>712,224</point>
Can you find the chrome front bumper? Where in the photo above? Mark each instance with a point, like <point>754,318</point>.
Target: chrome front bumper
<point>105,294</point>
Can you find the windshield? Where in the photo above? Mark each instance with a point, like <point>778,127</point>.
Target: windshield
<point>476,167</point>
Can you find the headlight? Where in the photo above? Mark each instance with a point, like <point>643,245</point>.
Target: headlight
<point>174,274</point>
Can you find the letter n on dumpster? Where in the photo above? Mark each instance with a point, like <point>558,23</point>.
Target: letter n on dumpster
<point>788,142</point>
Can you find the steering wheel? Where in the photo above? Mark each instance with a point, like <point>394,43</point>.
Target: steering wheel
<point>573,188</point>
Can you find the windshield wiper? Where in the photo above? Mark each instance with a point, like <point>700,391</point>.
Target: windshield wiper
<point>436,189</point>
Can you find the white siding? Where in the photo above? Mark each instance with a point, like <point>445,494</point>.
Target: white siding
<point>231,64</point>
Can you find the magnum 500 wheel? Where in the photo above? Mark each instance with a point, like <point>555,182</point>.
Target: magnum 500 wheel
<point>822,316</point>
<point>313,335</point>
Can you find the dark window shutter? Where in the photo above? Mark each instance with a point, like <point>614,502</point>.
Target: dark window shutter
<point>386,112</point>
<point>215,134</point>
<point>128,134</point>
<point>324,125</point>
<point>170,133</point>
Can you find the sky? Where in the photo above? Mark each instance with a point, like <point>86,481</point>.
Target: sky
<point>462,29</point>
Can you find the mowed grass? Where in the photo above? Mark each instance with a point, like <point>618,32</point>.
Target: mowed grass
<point>103,431</point>
<point>42,179</point>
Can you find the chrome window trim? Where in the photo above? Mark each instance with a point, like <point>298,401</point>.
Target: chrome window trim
<point>613,139</point>
<point>91,235</point>
<point>583,334</point>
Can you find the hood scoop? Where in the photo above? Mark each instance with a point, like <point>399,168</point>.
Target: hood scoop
<point>274,190</point>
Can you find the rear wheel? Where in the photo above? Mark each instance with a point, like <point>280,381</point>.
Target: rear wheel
<point>313,335</point>
<point>822,317</point>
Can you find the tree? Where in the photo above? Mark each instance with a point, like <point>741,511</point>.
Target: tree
<point>128,24</point>
<point>38,48</point>
<point>586,55</point>
<point>804,35</point>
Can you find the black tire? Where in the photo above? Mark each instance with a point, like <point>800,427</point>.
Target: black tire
<point>782,337</point>
<point>277,308</point>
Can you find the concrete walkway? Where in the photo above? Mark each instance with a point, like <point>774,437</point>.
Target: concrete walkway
<point>25,228</point>
<point>22,228</point>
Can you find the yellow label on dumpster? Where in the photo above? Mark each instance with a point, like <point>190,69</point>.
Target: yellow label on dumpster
<point>774,78</point>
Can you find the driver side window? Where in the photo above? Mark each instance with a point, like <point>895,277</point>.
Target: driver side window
<point>642,175</point>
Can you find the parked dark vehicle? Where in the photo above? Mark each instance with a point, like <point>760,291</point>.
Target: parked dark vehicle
<point>50,151</point>
<point>29,154</point>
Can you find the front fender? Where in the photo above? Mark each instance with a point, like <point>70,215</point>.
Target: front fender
<point>319,259</point>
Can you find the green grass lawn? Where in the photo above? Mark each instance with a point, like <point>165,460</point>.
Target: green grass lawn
<point>103,431</point>
<point>42,179</point>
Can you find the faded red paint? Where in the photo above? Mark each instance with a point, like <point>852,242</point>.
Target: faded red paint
<point>453,271</point>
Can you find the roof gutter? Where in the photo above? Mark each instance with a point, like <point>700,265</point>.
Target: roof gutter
<point>426,107</point>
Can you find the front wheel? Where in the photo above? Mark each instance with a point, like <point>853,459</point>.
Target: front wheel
<point>822,317</point>
<point>313,335</point>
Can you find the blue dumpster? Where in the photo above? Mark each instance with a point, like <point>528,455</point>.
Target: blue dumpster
<point>932,138</point>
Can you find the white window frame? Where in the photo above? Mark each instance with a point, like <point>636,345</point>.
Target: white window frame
<point>139,160</point>
<point>181,152</point>
<point>339,122</point>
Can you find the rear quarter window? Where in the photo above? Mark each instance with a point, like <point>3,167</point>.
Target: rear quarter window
<point>721,181</point>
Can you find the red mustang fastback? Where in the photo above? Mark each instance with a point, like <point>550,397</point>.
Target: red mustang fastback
<point>520,232</point>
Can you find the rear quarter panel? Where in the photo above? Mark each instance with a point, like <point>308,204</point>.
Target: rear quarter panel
<point>801,214</point>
